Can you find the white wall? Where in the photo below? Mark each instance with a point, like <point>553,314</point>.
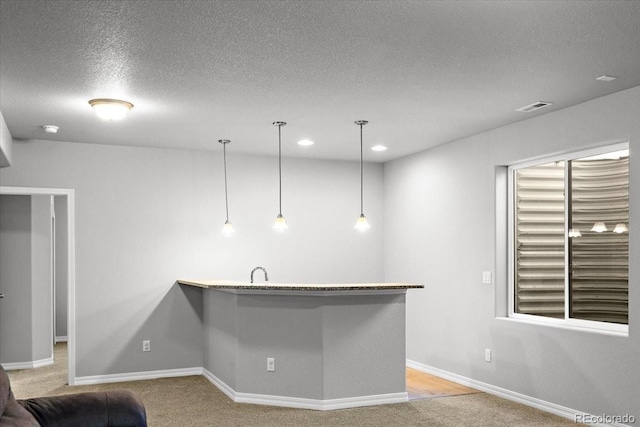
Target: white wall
<point>440,230</point>
<point>146,217</point>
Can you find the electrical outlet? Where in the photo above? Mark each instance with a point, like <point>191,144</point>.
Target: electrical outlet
<point>487,355</point>
<point>486,277</point>
<point>271,364</point>
<point>146,345</point>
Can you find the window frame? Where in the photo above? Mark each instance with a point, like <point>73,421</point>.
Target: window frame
<point>566,322</point>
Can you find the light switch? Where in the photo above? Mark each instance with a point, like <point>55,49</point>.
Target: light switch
<point>486,277</point>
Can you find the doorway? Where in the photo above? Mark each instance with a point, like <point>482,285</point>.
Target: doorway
<point>65,247</point>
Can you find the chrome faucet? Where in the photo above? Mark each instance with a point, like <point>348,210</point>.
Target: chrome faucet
<point>266,278</point>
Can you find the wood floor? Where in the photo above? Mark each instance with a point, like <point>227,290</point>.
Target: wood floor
<point>421,385</point>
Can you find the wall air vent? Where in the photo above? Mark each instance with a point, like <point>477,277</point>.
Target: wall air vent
<point>538,105</point>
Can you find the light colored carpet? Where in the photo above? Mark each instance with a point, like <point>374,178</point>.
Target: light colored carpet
<point>193,402</point>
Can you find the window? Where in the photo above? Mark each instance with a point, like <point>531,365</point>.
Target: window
<point>569,239</point>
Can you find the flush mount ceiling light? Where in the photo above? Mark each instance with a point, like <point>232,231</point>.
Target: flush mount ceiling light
<point>378,148</point>
<point>110,109</point>
<point>361,223</point>
<point>280,223</point>
<point>228,227</point>
<point>599,227</point>
<point>305,142</point>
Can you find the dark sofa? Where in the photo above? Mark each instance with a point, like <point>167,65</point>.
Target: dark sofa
<point>118,408</point>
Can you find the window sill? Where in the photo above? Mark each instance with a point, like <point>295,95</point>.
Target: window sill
<point>563,325</point>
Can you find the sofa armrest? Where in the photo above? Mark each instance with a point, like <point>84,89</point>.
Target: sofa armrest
<point>11,413</point>
<point>119,408</point>
<point>14,415</point>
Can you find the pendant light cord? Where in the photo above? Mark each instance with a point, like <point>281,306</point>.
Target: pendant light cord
<point>226,196</point>
<point>280,167</point>
<point>361,176</point>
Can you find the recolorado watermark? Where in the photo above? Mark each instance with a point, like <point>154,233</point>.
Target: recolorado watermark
<point>604,419</point>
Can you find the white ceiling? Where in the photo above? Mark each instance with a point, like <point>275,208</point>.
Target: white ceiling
<point>422,73</point>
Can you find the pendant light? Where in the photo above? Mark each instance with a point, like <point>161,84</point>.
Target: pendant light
<point>361,223</point>
<point>599,227</point>
<point>280,223</point>
<point>228,227</point>
<point>574,232</point>
<point>620,228</point>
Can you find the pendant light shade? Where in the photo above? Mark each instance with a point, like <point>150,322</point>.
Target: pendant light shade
<point>620,228</point>
<point>574,232</point>
<point>280,223</point>
<point>227,229</point>
<point>361,223</point>
<point>599,227</point>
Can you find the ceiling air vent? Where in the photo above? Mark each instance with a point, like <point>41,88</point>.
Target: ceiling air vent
<point>538,105</point>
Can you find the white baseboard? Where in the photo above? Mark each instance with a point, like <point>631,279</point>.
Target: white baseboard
<point>61,339</point>
<point>28,365</point>
<point>504,393</point>
<point>137,376</point>
<point>318,404</point>
<point>302,403</point>
<point>321,405</point>
<point>221,385</point>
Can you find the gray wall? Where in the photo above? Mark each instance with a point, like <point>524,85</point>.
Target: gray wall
<point>15,279</point>
<point>61,264</point>
<point>440,230</point>
<point>25,278</point>
<point>6,143</point>
<point>320,343</point>
<point>146,217</point>
<point>41,277</point>
<point>357,326</point>
<point>220,330</point>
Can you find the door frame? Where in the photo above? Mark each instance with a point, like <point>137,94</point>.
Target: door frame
<point>71,262</point>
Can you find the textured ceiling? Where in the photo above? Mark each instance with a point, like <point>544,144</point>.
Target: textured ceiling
<point>422,73</point>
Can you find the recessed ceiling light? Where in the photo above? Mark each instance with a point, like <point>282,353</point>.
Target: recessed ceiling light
<point>305,142</point>
<point>110,109</point>
<point>378,147</point>
<point>532,107</point>
<point>606,78</point>
<point>50,128</point>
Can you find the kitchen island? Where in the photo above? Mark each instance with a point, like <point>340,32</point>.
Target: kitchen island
<point>315,346</point>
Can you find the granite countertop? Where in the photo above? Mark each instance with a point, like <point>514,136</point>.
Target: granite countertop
<point>268,286</point>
